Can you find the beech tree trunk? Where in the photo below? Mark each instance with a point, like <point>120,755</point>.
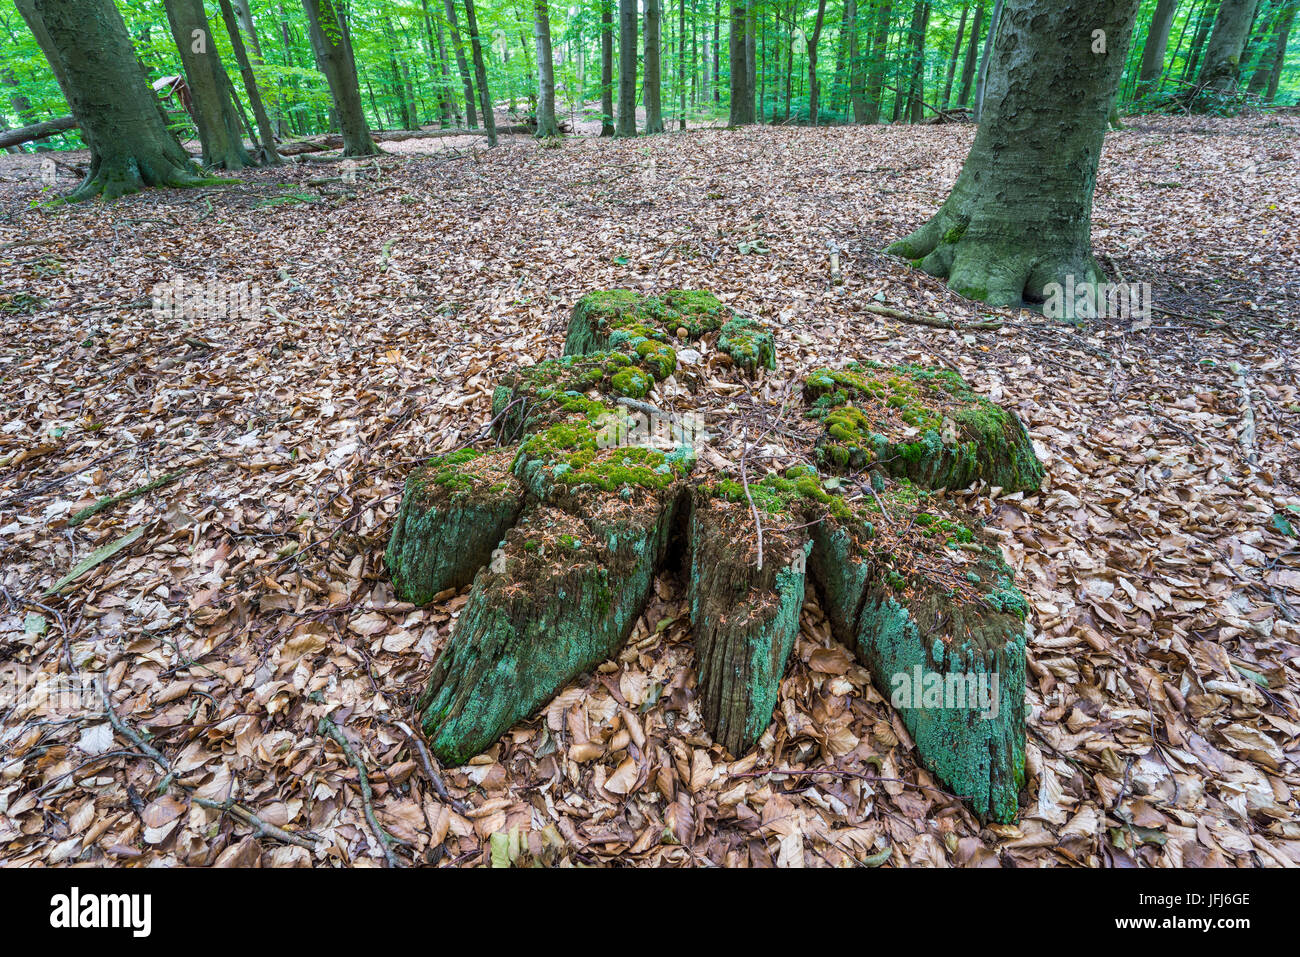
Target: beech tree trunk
<point>1020,214</point>
<point>876,75</point>
<point>329,37</point>
<point>480,75</point>
<point>546,125</point>
<point>626,68</point>
<point>1227,40</point>
<point>462,65</point>
<point>114,106</point>
<point>995,23</point>
<point>606,68</point>
<point>952,61</point>
<point>1282,34</point>
<point>214,111</point>
<point>654,119</point>
<point>1153,52</point>
<point>972,57</point>
<point>814,106</point>
<point>742,104</point>
<point>857,79</point>
<point>265,132</point>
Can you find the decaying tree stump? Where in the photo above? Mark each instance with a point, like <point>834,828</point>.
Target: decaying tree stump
<point>563,528</point>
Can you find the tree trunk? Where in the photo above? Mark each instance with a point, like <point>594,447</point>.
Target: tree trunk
<point>1198,40</point>
<point>462,65</point>
<point>681,63</point>
<point>814,107</point>
<point>265,131</point>
<point>1227,40</point>
<point>1283,33</point>
<point>546,125</point>
<point>1019,216</point>
<point>654,120</point>
<point>916,82</point>
<point>329,37</point>
<point>1153,52</point>
<point>606,68</point>
<point>480,75</point>
<point>214,112</point>
<point>114,106</point>
<point>717,51</point>
<point>751,61</point>
<point>876,75</point>
<point>857,79</point>
<point>741,102</point>
<point>972,54</point>
<point>438,65</point>
<point>952,61</point>
<point>627,10</point>
<point>995,23</point>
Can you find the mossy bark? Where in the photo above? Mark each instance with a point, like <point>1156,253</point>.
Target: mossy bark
<point>1020,214</point>
<point>118,114</point>
<point>564,599</point>
<point>450,520</point>
<point>952,664</point>
<point>744,618</point>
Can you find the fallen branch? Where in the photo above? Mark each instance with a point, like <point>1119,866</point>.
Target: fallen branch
<point>429,771</point>
<point>932,321</point>
<point>96,557</point>
<point>261,828</point>
<point>109,501</point>
<point>37,131</point>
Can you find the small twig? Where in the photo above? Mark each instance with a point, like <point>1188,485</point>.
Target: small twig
<point>111,500</point>
<point>261,828</point>
<point>328,727</point>
<point>430,771</point>
<point>932,321</point>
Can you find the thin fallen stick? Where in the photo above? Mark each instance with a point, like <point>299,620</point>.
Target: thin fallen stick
<point>109,501</point>
<point>261,828</point>
<point>429,771</point>
<point>328,727</point>
<point>932,321</point>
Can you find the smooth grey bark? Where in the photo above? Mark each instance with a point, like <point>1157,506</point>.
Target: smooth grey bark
<point>626,68</point>
<point>972,57</point>
<point>952,60</point>
<point>651,91</point>
<point>876,75</point>
<point>742,103</point>
<point>814,88</point>
<point>546,125</point>
<point>118,113</point>
<point>857,77</point>
<point>717,51</point>
<point>751,61</point>
<point>1279,51</point>
<point>1020,214</point>
<point>265,131</point>
<point>214,110</point>
<point>1198,40</point>
<point>1153,51</point>
<point>329,38</point>
<point>1227,40</point>
<point>915,84</point>
<point>480,75</point>
<point>438,63</point>
<point>995,21</point>
<point>471,117</point>
<point>681,62</point>
<point>606,68</point>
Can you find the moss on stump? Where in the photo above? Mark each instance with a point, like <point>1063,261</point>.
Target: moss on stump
<point>919,423</point>
<point>563,528</point>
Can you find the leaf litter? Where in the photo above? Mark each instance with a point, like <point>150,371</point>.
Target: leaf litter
<point>249,637</point>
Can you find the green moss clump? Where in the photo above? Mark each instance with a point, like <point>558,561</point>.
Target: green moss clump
<point>749,343</point>
<point>658,359</point>
<point>785,497</point>
<point>633,383</point>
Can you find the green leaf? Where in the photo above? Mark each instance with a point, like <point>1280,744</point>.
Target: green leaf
<point>95,558</point>
<point>875,860</point>
<point>1284,526</point>
<point>500,849</point>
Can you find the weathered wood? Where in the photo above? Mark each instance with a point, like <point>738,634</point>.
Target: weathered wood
<point>744,618</point>
<point>37,131</point>
<point>454,512</point>
<point>562,599</point>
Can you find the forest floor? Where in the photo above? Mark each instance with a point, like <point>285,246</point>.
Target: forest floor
<point>250,597</point>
